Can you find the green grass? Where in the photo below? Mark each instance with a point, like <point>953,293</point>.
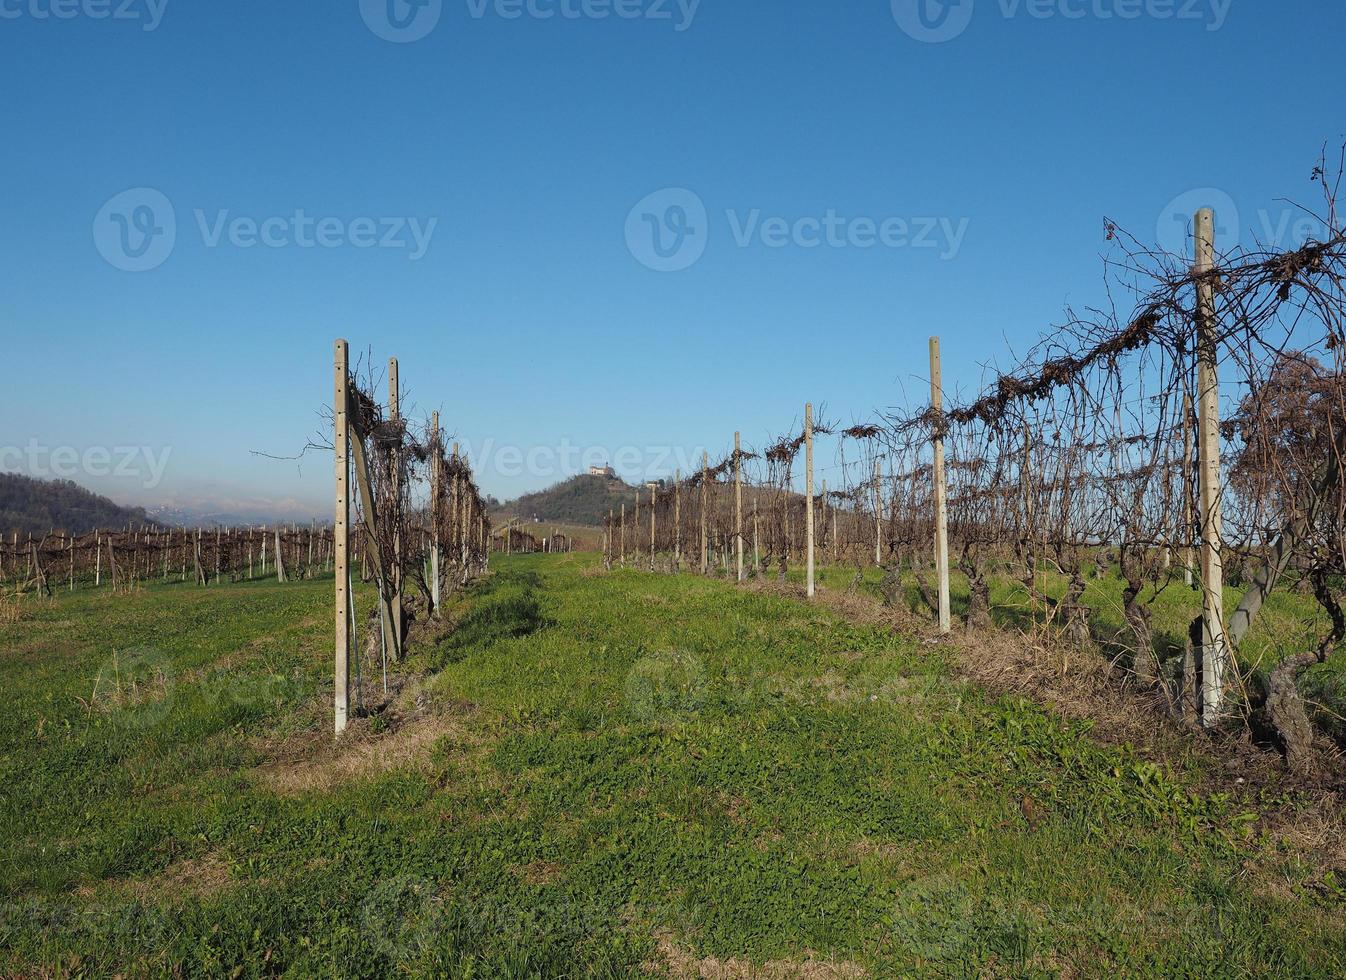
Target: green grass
<point>1290,623</point>
<point>635,763</point>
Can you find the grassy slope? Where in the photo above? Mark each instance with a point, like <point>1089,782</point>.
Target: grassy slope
<point>635,760</point>
<point>1288,624</point>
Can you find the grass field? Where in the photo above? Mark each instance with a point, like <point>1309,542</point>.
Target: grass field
<point>598,775</point>
<point>1289,623</point>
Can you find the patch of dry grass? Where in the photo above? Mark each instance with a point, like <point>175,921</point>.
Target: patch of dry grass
<point>13,609</point>
<point>680,963</point>
<point>404,737</point>
<point>539,872</point>
<point>186,878</point>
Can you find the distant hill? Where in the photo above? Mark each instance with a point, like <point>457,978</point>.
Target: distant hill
<point>582,500</point>
<point>36,506</point>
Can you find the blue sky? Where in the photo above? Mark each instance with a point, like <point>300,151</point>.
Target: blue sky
<point>516,145</point>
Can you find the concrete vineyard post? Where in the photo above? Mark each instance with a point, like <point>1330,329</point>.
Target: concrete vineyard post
<point>435,457</point>
<point>395,578</point>
<point>1213,642</point>
<point>340,541</point>
<point>1187,462</point>
<point>280,558</point>
<point>808,495</point>
<point>941,491</point>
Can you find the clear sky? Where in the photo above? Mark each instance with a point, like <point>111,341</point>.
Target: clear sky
<point>475,187</point>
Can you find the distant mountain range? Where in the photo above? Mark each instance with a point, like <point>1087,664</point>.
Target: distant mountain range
<point>205,515</point>
<point>32,506</point>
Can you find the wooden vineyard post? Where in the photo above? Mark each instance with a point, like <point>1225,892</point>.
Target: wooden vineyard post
<point>738,505</point>
<point>98,558</point>
<point>36,569</point>
<point>677,520</point>
<point>808,496</point>
<point>340,541</point>
<point>941,491</point>
<point>455,505</point>
<point>705,536</point>
<point>878,516</point>
<point>436,455</point>
<point>460,519</point>
<point>824,514</point>
<point>756,540</point>
<point>622,535</point>
<point>1213,642</point>
<point>635,531</point>
<point>653,493</point>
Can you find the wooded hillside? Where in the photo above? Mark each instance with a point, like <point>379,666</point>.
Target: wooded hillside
<point>580,500</point>
<point>28,505</point>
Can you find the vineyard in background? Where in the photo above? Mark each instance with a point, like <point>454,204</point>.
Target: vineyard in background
<point>126,559</point>
<point>1115,452</point>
